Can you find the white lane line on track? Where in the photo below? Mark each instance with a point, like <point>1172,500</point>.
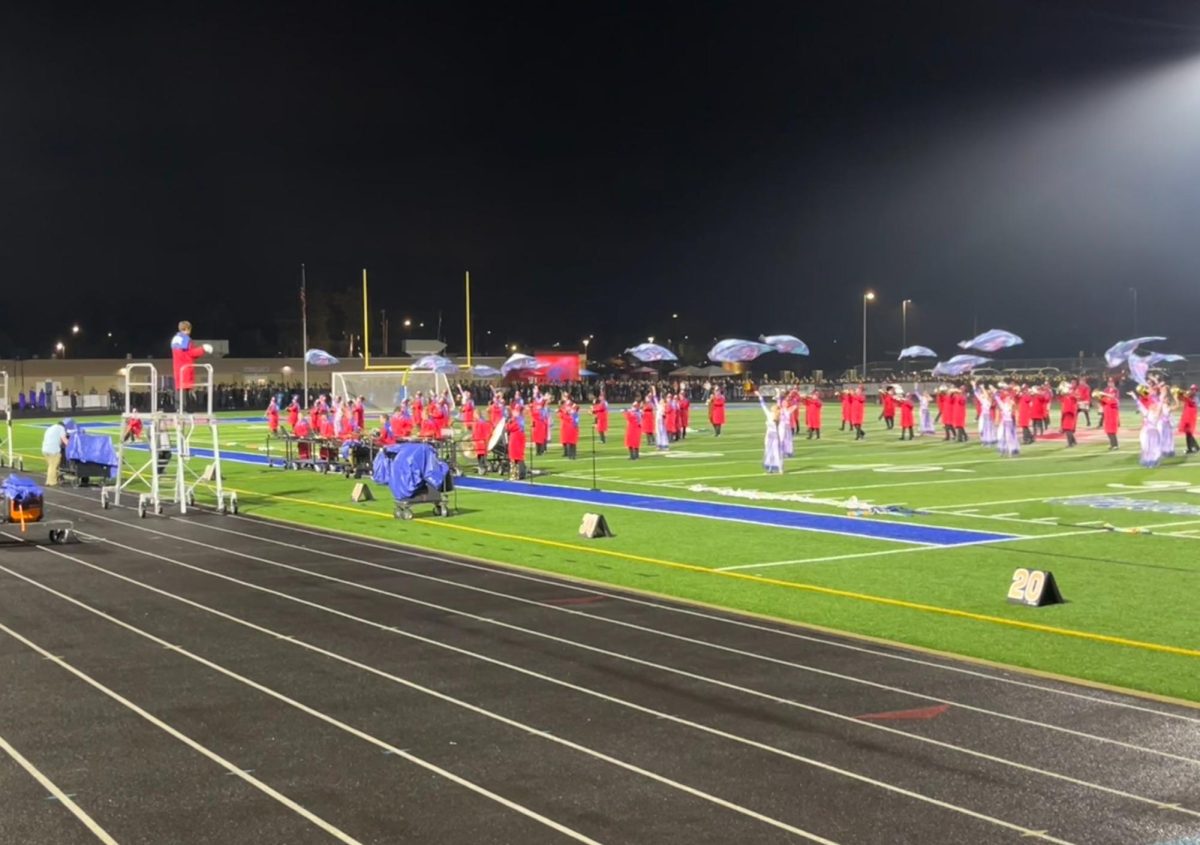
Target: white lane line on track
<point>512,805</point>
<point>64,799</point>
<point>507,571</point>
<point>650,664</point>
<point>537,675</point>
<point>231,768</point>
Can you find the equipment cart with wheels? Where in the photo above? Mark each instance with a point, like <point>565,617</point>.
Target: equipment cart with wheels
<point>23,503</point>
<point>89,457</point>
<point>416,476</point>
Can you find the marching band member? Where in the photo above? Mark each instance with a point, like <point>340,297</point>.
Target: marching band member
<point>293,412</point>
<point>481,433</point>
<point>568,417</point>
<point>633,429</point>
<point>600,416</point>
<point>812,414</point>
<point>906,415</point>
<point>1083,400</point>
<point>648,418</point>
<point>273,416</point>
<point>1187,418</point>
<point>183,354</point>
<point>1110,414</point>
<point>1068,401</point>
<point>515,427</point>
<point>685,413</point>
<point>716,410</point>
<point>858,401</point>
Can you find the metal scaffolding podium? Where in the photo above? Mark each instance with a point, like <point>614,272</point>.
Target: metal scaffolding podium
<point>187,481</point>
<point>145,468</point>
<point>7,458</point>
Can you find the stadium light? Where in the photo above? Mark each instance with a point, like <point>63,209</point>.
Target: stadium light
<point>869,296</point>
<point>650,339</point>
<point>407,323</point>
<point>75,329</point>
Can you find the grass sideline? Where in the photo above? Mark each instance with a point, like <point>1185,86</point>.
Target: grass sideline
<point>1133,587</point>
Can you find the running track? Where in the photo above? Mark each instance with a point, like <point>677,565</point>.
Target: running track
<point>225,680</point>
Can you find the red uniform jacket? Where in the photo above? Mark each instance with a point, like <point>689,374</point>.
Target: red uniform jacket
<point>633,428</point>
<point>272,419</point>
<point>481,433</point>
<point>685,407</point>
<point>671,416</point>
<point>600,412</point>
<point>541,424</point>
<point>183,353</point>
<point>906,413</point>
<point>812,412</point>
<point>648,419</point>
<point>467,413</point>
<point>418,412</point>
<point>716,412</point>
<point>1024,410</point>
<point>516,438</point>
<point>293,414</point>
<point>1112,413</point>
<point>1187,415</point>
<point>1069,406</point>
<point>857,403</point>
<point>570,426</point>
<point>889,406</point>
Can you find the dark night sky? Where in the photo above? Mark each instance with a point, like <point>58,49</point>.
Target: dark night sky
<point>753,167</point>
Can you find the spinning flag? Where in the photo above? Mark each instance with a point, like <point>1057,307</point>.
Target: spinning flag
<point>786,343</point>
<point>517,361</point>
<point>649,352</point>
<point>1164,358</point>
<point>991,341</point>
<point>1138,366</point>
<point>319,358</point>
<point>958,365</point>
<point>916,352</point>
<point>1118,352</point>
<point>738,350</point>
<point>484,371</point>
<point>436,363</point>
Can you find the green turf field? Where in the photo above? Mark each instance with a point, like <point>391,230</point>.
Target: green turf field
<point>1130,618</point>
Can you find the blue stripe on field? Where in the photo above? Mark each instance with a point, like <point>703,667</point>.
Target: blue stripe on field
<point>874,529</point>
<point>897,532</point>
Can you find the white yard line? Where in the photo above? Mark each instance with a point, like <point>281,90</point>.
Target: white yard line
<point>64,799</point>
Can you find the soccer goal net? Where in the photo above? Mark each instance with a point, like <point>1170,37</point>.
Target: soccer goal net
<point>382,391</point>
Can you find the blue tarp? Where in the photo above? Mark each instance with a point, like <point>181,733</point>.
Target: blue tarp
<point>18,488</point>
<point>407,467</point>
<point>92,449</point>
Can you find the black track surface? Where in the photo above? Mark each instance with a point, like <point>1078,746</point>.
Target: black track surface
<point>421,698</point>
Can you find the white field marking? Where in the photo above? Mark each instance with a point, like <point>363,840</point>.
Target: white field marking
<point>624,657</point>
<point>412,685</point>
<point>729,618</point>
<point>232,768</point>
<point>304,708</point>
<point>988,480</point>
<point>1002,515</point>
<point>827,558</point>
<point>865,779</point>
<point>1104,492</point>
<point>64,799</point>
<point>995,461</point>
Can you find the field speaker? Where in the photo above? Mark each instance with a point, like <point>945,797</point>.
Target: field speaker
<point>595,525</point>
<point>361,493</point>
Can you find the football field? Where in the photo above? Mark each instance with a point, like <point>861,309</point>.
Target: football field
<point>913,542</point>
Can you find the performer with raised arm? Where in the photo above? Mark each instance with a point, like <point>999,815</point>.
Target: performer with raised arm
<point>1147,404</point>
<point>466,408</point>
<point>633,429</point>
<point>772,457</point>
<point>987,426</point>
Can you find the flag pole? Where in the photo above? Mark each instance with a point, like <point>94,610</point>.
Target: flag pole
<point>304,330</point>
<point>468,318</point>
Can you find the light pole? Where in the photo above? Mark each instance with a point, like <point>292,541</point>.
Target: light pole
<point>1133,291</point>
<point>904,323</point>
<point>867,297</point>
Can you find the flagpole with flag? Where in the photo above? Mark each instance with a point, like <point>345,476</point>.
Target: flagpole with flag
<point>304,331</point>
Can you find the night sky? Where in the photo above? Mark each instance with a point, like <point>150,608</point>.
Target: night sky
<point>751,167</point>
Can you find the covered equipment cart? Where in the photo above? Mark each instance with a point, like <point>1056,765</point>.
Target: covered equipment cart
<point>416,476</point>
